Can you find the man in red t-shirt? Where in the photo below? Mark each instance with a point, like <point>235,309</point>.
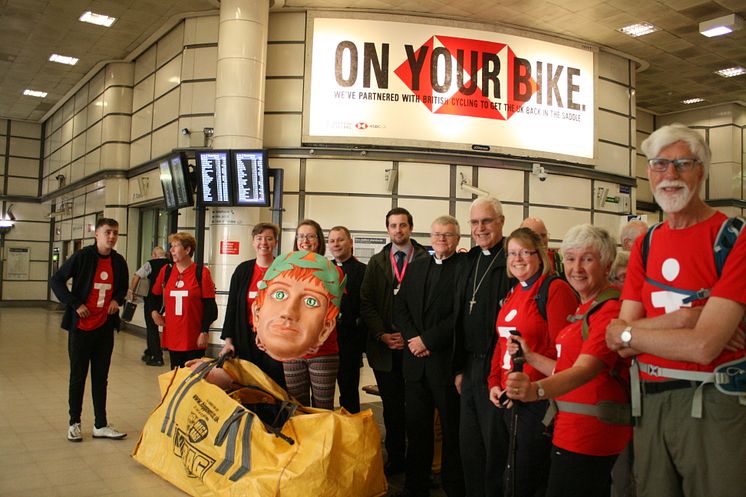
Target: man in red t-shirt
<point>99,287</point>
<point>689,441</point>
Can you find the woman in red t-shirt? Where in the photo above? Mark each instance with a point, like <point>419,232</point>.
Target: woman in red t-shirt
<point>312,379</point>
<point>528,262</point>
<point>189,306</point>
<point>584,374</point>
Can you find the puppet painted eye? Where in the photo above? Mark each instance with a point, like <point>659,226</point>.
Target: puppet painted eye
<point>279,295</point>
<point>311,302</point>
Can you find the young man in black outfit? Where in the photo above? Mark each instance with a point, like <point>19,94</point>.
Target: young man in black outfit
<point>99,287</point>
<point>350,327</point>
<point>383,276</point>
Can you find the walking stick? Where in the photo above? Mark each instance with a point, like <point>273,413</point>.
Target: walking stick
<point>510,474</point>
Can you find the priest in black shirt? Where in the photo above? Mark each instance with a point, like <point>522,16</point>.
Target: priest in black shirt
<point>351,332</point>
<point>423,313</point>
<point>480,290</point>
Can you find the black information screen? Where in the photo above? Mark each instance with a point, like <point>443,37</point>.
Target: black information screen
<point>252,183</point>
<point>215,184</point>
<point>180,177</point>
<point>167,185</point>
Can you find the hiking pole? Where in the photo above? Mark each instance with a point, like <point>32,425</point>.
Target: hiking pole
<point>510,478</point>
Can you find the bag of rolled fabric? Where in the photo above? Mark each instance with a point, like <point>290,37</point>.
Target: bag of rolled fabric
<point>128,311</point>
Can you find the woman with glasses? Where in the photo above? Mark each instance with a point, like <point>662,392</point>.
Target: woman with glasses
<point>188,300</point>
<point>588,382</point>
<point>238,329</point>
<point>312,379</point>
<point>537,308</point>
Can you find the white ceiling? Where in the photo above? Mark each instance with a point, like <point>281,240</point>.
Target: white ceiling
<point>680,62</point>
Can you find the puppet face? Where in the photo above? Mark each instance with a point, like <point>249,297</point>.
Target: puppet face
<point>292,320</point>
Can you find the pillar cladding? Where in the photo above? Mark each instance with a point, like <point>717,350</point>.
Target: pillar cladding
<point>241,70</point>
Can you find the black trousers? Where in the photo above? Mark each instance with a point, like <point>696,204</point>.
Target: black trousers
<point>483,437</point>
<point>178,358</point>
<point>391,386</point>
<point>533,448</point>
<point>153,337</point>
<point>574,474</point>
<point>92,348</point>
<point>422,398</point>
<point>348,375</point>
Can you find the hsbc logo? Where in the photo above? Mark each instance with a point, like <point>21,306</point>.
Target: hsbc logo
<point>361,126</point>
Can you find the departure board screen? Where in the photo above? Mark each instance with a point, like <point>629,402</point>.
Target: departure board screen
<point>168,185</point>
<point>214,177</point>
<point>180,180</point>
<point>250,175</point>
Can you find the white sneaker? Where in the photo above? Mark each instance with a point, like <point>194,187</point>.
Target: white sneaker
<point>73,433</point>
<point>108,431</point>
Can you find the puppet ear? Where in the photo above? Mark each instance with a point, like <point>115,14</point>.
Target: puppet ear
<point>255,313</point>
<point>326,330</point>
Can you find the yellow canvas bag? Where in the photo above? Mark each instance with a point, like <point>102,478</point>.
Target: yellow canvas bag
<point>206,443</point>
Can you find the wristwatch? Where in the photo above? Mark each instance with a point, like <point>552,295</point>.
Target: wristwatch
<point>626,337</point>
<point>540,390</point>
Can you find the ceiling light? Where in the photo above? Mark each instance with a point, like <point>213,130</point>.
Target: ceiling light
<point>98,19</point>
<point>729,72</point>
<point>689,101</point>
<point>639,29</point>
<point>35,93</point>
<point>721,25</point>
<point>63,59</point>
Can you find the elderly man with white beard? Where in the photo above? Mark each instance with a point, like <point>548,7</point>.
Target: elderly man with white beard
<point>678,317</point>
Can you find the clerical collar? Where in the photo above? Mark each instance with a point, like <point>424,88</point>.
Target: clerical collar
<point>529,282</point>
<point>488,252</point>
<point>440,261</point>
<point>339,263</point>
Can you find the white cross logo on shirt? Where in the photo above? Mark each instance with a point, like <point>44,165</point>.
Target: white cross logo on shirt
<point>666,299</point>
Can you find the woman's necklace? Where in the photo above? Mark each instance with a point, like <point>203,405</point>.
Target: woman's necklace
<point>475,286</point>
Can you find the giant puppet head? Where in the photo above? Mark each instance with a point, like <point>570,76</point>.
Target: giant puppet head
<point>297,305</point>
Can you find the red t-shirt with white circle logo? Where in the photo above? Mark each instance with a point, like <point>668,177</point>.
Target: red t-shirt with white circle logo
<point>182,298</point>
<point>99,297</point>
<point>684,259</point>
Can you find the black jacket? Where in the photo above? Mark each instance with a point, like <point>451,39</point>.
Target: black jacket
<point>494,288</point>
<point>350,326</point>
<point>431,319</point>
<point>81,267</point>
<point>376,304</point>
<point>236,324</point>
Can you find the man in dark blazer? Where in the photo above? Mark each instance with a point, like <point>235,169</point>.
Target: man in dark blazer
<point>423,313</point>
<point>350,326</point>
<point>383,276</point>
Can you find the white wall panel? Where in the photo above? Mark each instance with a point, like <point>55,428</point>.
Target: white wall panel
<point>143,92</point>
<point>168,77</point>
<point>118,100</point>
<point>96,86</point>
<point>198,30</point>
<point>170,45</point>
<point>197,98</point>
<point>612,96</point>
<point>22,186</point>
<point>503,184</point>
<point>351,176</point>
<point>423,212</point>
<point>142,122</point>
<point>613,127</point>
<point>561,191</point>
<point>140,151</point>
<point>25,129</point>
<point>282,130</point>
<point>24,147</point>
<point>613,159</point>
<point>28,168</point>
<point>145,64</point>
<point>199,63</point>
<point>558,221</point>
<point>284,95</point>
<point>431,180</point>
<point>92,161</point>
<point>285,60</point>
<point>291,168</point>
<point>93,137</point>
<point>166,109</point>
<point>164,140</point>
<point>81,98</point>
<point>357,212</point>
<point>288,26</point>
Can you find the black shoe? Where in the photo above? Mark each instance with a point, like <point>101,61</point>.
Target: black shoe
<point>391,468</point>
<point>154,361</point>
<point>146,356</point>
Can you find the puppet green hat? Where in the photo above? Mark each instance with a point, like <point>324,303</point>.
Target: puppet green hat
<point>324,271</point>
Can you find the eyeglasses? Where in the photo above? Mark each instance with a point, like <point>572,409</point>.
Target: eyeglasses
<point>486,220</point>
<point>525,253</point>
<point>661,165</point>
<point>301,236</point>
<point>443,235</point>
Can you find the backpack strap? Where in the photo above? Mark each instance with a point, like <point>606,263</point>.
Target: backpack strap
<point>542,296</point>
<point>169,268</point>
<point>646,245</point>
<point>610,293</point>
<point>726,238</point>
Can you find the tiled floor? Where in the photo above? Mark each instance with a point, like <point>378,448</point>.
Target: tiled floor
<point>35,457</point>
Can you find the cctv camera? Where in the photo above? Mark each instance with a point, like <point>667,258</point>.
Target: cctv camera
<point>542,176</point>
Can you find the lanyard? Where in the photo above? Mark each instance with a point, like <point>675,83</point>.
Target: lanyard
<point>400,276</point>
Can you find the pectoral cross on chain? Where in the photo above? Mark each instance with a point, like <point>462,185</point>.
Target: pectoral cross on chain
<point>471,304</point>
